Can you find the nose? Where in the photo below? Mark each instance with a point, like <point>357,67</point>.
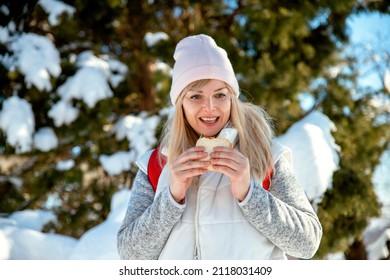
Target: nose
<point>209,105</point>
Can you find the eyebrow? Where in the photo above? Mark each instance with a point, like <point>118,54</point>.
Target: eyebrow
<point>220,89</point>
<point>201,91</point>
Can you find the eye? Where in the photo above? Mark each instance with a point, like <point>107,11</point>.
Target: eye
<point>195,96</point>
<point>220,95</point>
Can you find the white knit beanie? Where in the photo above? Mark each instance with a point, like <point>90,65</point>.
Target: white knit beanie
<point>198,57</point>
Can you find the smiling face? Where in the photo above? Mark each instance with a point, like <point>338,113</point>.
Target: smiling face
<point>207,109</point>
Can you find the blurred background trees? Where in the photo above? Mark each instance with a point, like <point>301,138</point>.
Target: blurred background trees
<point>288,55</point>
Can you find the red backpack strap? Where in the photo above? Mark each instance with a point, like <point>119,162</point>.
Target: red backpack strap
<point>267,179</point>
<point>154,168</point>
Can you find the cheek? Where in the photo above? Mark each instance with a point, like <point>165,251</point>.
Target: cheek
<point>227,111</point>
<point>189,113</point>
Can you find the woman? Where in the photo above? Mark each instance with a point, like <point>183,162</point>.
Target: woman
<point>226,214</point>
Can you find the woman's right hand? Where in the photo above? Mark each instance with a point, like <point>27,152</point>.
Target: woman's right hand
<point>184,169</point>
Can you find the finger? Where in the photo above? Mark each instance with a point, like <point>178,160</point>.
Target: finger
<point>202,164</point>
<point>195,153</point>
<point>228,155</point>
<point>233,160</point>
<point>225,162</point>
<point>223,149</point>
<point>189,173</point>
<point>194,172</point>
<point>226,170</point>
<point>192,164</point>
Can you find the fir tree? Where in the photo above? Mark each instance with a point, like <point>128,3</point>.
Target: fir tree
<point>280,51</point>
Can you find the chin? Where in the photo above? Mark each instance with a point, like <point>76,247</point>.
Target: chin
<point>212,133</point>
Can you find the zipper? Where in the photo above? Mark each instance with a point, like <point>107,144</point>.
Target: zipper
<point>197,252</point>
<point>197,245</point>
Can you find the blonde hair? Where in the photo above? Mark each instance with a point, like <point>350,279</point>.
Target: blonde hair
<point>178,135</point>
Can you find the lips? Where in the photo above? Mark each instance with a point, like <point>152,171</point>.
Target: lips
<point>209,119</point>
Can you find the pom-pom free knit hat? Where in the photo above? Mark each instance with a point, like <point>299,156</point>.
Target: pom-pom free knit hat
<point>198,57</point>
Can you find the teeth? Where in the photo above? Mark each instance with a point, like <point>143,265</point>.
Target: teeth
<point>209,119</point>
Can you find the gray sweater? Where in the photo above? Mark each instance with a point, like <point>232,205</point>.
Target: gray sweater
<point>283,214</point>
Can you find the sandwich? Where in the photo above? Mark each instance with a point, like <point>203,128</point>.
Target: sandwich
<point>225,139</point>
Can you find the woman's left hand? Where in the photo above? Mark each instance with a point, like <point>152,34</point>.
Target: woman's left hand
<point>234,165</point>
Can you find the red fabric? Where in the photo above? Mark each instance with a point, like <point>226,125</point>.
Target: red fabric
<point>154,168</point>
<point>267,179</point>
<point>154,171</point>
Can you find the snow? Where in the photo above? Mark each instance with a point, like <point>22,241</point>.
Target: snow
<point>313,133</point>
<point>118,71</point>
<point>37,58</point>
<point>386,79</point>
<point>314,156</point>
<point>91,82</point>
<point>88,84</point>
<point>117,163</point>
<point>55,9</point>
<point>103,234</point>
<point>63,113</point>
<point>64,165</point>
<point>4,9</point>
<point>21,238</point>
<point>32,219</point>
<point>376,235</point>
<point>4,35</point>
<point>19,242</point>
<point>17,122</point>
<point>138,130</point>
<point>141,134</point>
<point>45,139</point>
<point>152,39</point>
<point>314,152</point>
<point>381,178</point>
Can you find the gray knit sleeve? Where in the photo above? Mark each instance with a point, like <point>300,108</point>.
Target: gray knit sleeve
<point>284,214</point>
<point>148,222</point>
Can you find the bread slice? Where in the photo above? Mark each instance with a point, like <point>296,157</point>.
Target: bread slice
<point>210,143</point>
